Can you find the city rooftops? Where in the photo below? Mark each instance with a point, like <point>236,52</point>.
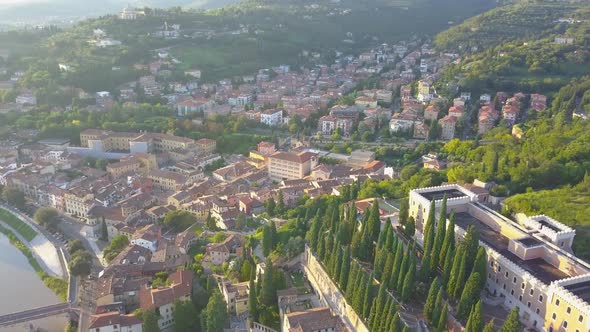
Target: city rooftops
<point>438,195</point>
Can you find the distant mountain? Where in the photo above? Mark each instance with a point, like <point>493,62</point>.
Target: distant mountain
<point>40,11</point>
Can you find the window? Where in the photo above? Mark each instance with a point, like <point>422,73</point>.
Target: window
<point>537,311</point>
<point>557,302</point>
<point>581,318</point>
<point>492,263</point>
<point>532,292</point>
<point>504,286</point>
<point>535,323</point>
<point>497,280</point>
<point>553,316</point>
<point>528,304</point>
<point>568,310</point>
<point>520,297</point>
<point>540,298</point>
<point>512,292</point>
<point>522,285</point>
<point>565,324</point>
<point>499,268</point>
<point>514,280</point>
<point>489,275</point>
<point>506,274</point>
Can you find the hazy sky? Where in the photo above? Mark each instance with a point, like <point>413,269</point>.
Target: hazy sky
<point>14,2</point>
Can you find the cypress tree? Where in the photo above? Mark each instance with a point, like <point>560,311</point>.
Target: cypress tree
<point>409,282</point>
<point>475,322</point>
<point>373,313</point>
<point>268,293</point>
<point>469,296</point>
<point>321,248</point>
<point>425,271</point>
<point>449,242</point>
<point>471,243</point>
<point>273,234</point>
<point>335,217</point>
<point>366,249</point>
<point>448,265</point>
<point>480,266</point>
<point>359,293</point>
<point>459,286</point>
<point>374,222</point>
<point>345,269</point>
<point>382,236</point>
<point>391,312</point>
<point>442,322</point>
<point>397,264</point>
<point>429,229</point>
<point>252,302</point>
<point>367,298</point>
<point>406,329</point>
<point>379,263</point>
<point>438,306</point>
<point>396,324</point>
<point>355,245</point>
<point>314,232</point>
<point>386,276</point>
<point>430,299</point>
<point>512,323</point>
<point>390,238</point>
<point>351,282</point>
<point>378,307</point>
<point>452,280</point>
<point>489,326</point>
<point>266,240</point>
<point>439,237</point>
<point>404,211</point>
<point>384,314</point>
<point>403,270</point>
<point>338,264</point>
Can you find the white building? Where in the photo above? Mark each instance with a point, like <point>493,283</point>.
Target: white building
<point>272,117</point>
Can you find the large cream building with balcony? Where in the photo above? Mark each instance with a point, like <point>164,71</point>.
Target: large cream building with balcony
<point>530,261</point>
<point>290,165</point>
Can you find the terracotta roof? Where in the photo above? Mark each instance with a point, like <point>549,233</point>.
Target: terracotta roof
<point>314,320</point>
<point>292,157</point>
<point>113,318</point>
<point>181,286</point>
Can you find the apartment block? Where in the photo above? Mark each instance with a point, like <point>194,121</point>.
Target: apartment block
<point>290,165</point>
<point>530,261</point>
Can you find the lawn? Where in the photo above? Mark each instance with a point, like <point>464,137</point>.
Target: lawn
<point>13,221</point>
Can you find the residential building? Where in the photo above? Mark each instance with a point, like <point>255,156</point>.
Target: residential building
<point>530,260</point>
<point>161,299</point>
<point>167,180</point>
<point>290,165</point>
<point>538,102</point>
<point>431,113</point>
<point>219,253</point>
<point>328,124</point>
<point>365,102</point>
<point>447,125</point>
<point>26,98</point>
<point>114,322</point>
<point>206,146</point>
<point>272,117</point>
<point>235,295</point>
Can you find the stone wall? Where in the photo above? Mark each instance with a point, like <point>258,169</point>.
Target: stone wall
<point>329,293</point>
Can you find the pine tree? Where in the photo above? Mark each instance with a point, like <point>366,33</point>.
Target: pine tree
<point>439,237</point>
<point>449,241</point>
<point>438,306</point>
<point>345,269</point>
<point>397,264</point>
<point>409,283</point>
<point>480,266</point>
<point>489,326</point>
<point>512,323</point>
<point>469,296</point>
<point>442,322</point>
<point>430,299</point>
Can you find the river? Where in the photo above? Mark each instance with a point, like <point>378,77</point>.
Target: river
<point>22,289</point>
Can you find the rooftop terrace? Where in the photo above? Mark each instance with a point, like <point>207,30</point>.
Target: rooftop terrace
<point>538,267</point>
<point>438,195</point>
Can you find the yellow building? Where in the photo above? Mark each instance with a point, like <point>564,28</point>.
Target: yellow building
<point>530,260</point>
<point>78,202</point>
<point>235,295</point>
<point>167,180</point>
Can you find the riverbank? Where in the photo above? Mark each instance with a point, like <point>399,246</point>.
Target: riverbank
<point>57,285</point>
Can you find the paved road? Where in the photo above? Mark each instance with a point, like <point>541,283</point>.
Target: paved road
<point>37,313</point>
